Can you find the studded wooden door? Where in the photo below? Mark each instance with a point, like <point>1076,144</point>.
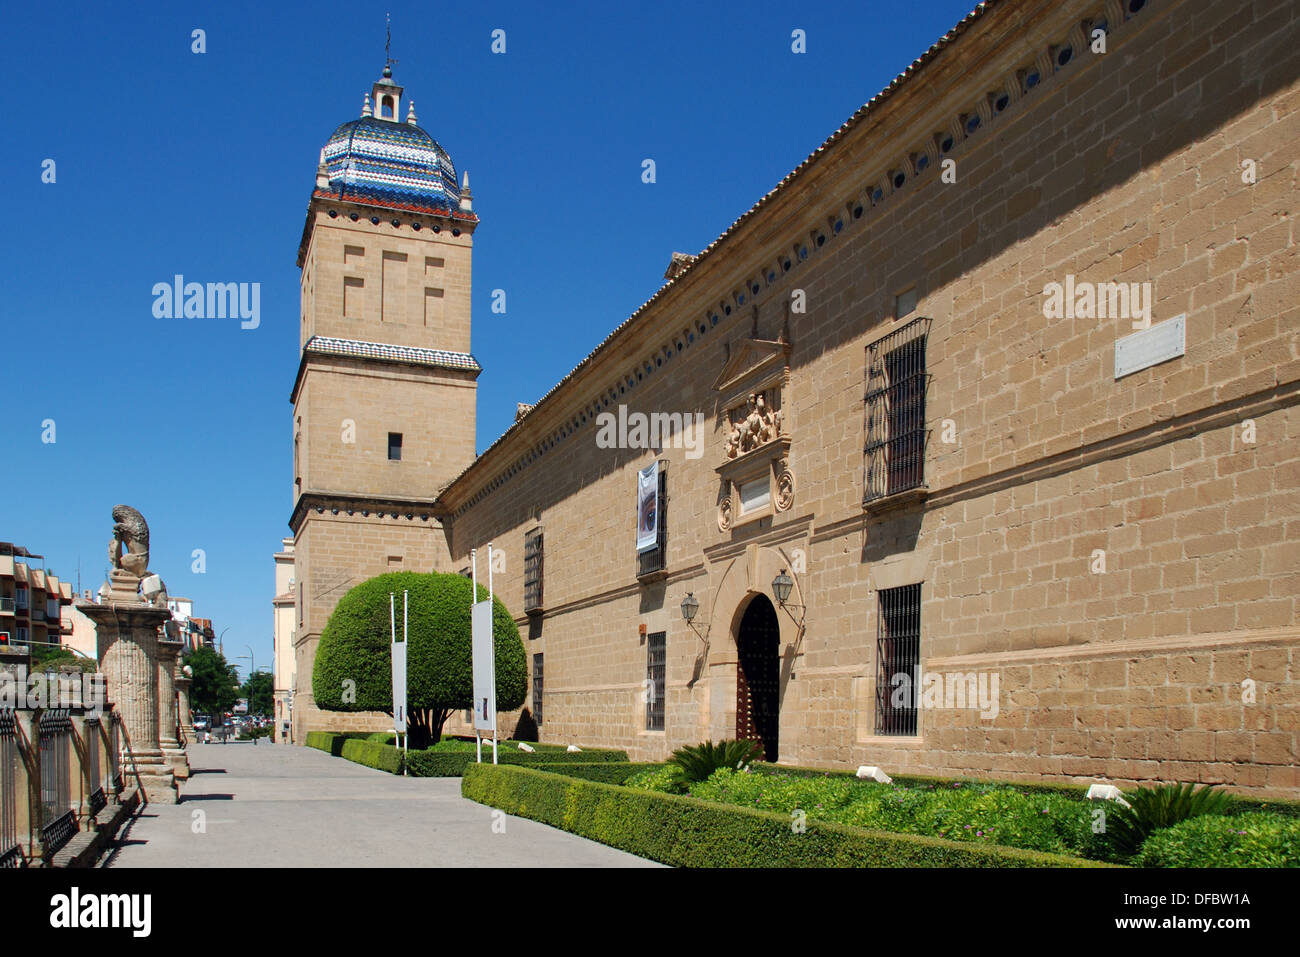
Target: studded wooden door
<point>758,677</point>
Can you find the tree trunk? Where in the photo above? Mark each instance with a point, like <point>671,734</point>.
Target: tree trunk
<point>424,727</point>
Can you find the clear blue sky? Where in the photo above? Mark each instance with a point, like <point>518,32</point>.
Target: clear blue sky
<point>172,162</point>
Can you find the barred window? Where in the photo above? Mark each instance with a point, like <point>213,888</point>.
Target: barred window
<point>537,688</point>
<point>898,655</point>
<point>897,382</point>
<point>655,675</point>
<point>533,555</point>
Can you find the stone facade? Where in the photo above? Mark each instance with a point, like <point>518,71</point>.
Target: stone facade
<point>1120,553</point>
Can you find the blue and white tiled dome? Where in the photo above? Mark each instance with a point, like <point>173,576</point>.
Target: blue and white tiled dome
<point>391,161</point>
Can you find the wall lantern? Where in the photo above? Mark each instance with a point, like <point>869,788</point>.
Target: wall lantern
<point>781,586</point>
<point>691,605</point>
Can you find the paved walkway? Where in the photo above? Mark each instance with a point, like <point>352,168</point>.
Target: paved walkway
<point>278,806</point>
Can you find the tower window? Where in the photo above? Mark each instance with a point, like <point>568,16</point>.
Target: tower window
<point>394,446</point>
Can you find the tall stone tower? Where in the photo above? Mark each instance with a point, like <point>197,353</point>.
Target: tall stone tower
<point>384,399</point>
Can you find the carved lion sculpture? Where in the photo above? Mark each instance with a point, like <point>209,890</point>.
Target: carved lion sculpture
<point>129,549</point>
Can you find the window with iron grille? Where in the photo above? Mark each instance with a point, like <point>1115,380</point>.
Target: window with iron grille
<point>897,382</point>
<point>656,670</point>
<point>533,571</point>
<point>537,689</point>
<point>656,559</point>
<point>898,653</point>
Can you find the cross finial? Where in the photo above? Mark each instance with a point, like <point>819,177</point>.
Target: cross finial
<point>388,42</point>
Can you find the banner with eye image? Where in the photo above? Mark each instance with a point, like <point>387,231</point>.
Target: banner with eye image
<point>647,508</point>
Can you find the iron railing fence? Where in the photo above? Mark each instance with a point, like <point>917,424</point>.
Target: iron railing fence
<point>97,797</point>
<point>59,821</point>
<point>896,436</point>
<point>114,780</point>
<point>898,653</point>
<point>11,854</point>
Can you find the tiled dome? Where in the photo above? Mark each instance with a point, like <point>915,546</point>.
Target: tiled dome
<point>392,161</point>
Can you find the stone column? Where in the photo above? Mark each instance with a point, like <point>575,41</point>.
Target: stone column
<point>183,682</point>
<point>169,653</point>
<point>127,635</point>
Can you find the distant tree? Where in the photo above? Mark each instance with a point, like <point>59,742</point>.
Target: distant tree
<point>353,669</point>
<point>258,689</point>
<point>216,683</point>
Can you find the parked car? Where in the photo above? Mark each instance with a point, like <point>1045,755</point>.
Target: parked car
<point>202,722</point>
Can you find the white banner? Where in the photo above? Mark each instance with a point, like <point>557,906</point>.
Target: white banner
<point>647,507</point>
<point>399,687</point>
<point>485,686</point>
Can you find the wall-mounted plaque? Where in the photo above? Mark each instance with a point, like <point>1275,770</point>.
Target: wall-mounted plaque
<point>1163,341</point>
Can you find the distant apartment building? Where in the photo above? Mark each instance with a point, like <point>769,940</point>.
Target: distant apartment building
<point>31,599</point>
<point>284,666</point>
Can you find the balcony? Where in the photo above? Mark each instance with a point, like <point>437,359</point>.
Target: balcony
<point>38,614</point>
<point>6,606</point>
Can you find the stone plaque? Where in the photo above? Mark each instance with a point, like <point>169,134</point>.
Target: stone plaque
<point>1163,341</point>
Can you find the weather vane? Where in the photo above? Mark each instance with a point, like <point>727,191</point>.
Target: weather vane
<point>388,42</point>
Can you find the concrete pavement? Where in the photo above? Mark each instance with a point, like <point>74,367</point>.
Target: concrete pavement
<point>281,806</point>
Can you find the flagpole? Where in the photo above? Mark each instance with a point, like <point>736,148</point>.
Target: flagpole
<point>473,564</point>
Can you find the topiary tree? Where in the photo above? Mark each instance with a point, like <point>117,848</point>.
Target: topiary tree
<point>353,669</point>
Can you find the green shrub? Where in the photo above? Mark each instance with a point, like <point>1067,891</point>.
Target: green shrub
<point>382,737</point>
<point>687,832</point>
<point>1165,805</point>
<point>984,814</point>
<point>664,778</point>
<point>610,772</point>
<point>698,761</point>
<point>381,757</point>
<point>1214,840</point>
<point>355,647</point>
<point>437,762</point>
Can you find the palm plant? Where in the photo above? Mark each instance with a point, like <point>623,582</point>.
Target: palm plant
<point>1162,806</point>
<point>699,761</point>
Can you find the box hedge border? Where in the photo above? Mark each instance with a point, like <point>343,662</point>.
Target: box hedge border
<point>686,832</point>
<point>452,764</point>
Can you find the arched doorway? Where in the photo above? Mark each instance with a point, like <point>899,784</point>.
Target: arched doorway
<point>758,676</point>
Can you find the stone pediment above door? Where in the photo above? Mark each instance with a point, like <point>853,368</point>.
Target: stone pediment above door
<point>752,364</point>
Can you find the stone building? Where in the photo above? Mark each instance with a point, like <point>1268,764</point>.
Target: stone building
<point>996,467</point>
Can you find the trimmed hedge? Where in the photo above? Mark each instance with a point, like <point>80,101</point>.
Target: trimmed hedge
<point>452,764</point>
<point>381,757</point>
<point>685,832</point>
<point>609,772</point>
<point>331,742</point>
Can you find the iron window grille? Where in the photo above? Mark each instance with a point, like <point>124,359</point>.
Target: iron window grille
<point>537,689</point>
<point>655,679</point>
<point>11,854</point>
<point>898,655</point>
<point>533,562</point>
<point>656,559</point>
<point>897,382</point>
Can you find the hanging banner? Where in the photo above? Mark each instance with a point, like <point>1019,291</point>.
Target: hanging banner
<point>647,507</point>
<point>399,687</point>
<point>485,686</point>
<point>398,657</point>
